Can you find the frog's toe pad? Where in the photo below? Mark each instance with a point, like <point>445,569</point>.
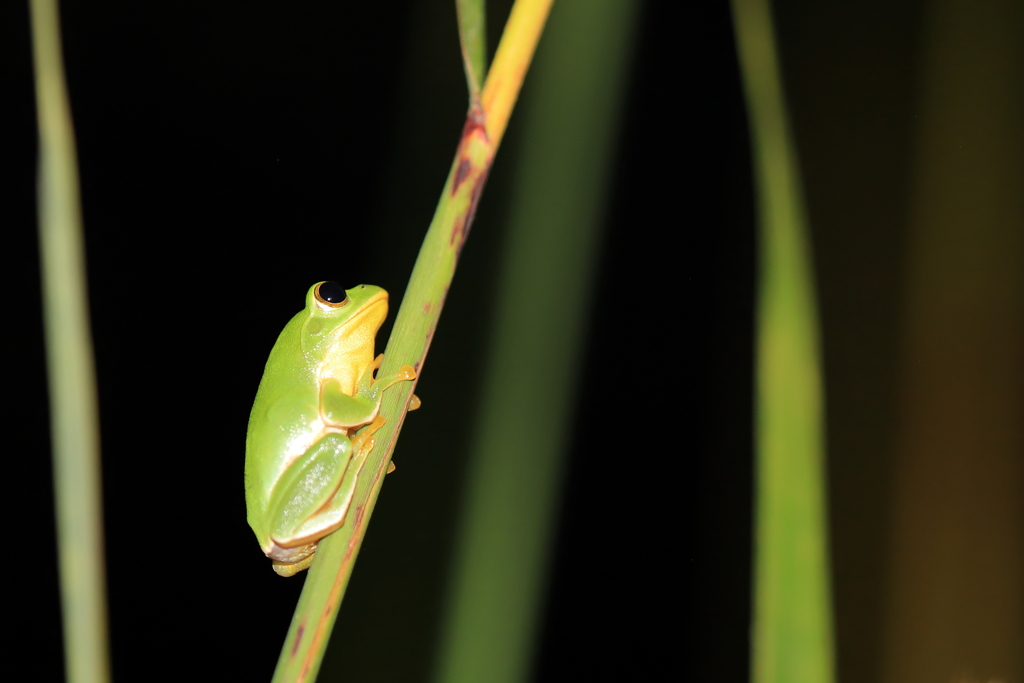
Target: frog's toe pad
<point>391,467</point>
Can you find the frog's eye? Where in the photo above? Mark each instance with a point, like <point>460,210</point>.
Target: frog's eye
<point>331,295</point>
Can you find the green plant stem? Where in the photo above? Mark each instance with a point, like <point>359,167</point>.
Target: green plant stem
<point>473,39</point>
<point>72,376</point>
<point>414,328</point>
<point>792,622</point>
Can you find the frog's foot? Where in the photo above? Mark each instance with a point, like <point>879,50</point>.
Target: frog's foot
<point>415,402</point>
<point>287,568</point>
<point>404,373</point>
<point>362,443</point>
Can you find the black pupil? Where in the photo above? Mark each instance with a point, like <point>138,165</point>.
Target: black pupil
<point>332,292</point>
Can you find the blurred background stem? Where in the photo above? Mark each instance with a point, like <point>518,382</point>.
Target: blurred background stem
<point>954,605</point>
<point>543,304</point>
<point>792,621</point>
<point>70,369</point>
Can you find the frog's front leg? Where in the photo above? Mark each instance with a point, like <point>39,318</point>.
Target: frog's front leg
<point>340,409</point>
<point>404,373</point>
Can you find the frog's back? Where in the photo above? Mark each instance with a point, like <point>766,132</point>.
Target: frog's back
<point>284,420</point>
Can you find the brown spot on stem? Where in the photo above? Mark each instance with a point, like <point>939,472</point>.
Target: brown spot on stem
<point>298,638</point>
<point>474,126</point>
<point>461,173</point>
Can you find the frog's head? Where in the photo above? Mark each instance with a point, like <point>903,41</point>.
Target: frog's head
<point>339,328</point>
<point>348,316</point>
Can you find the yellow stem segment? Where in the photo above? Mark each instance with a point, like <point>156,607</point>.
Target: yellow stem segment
<point>501,89</point>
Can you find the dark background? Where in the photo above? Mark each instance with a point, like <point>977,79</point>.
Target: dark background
<point>227,151</point>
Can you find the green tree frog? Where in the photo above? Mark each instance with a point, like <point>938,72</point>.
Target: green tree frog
<point>301,460</point>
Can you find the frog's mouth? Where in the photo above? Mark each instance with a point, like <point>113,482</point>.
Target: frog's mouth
<point>377,307</point>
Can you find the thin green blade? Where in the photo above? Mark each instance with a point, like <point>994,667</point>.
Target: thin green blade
<point>792,623</point>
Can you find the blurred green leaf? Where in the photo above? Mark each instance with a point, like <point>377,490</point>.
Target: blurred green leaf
<point>74,420</point>
<point>792,629</point>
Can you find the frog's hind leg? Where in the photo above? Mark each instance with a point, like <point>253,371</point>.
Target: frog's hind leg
<point>307,485</point>
<point>334,511</point>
